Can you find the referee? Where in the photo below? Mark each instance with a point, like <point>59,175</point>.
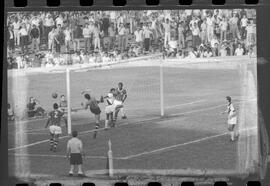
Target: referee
<point>75,153</point>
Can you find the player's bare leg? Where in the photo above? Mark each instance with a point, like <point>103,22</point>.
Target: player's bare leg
<point>80,172</point>
<point>232,133</point>
<point>112,120</point>
<point>107,120</point>
<point>66,123</point>
<point>56,137</point>
<point>97,117</point>
<point>123,113</point>
<point>71,170</point>
<point>51,142</point>
<point>117,109</point>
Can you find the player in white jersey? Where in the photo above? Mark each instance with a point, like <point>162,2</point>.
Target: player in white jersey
<point>232,118</point>
<point>110,108</point>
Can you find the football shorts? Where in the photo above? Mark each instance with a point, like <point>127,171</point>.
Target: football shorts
<point>55,129</point>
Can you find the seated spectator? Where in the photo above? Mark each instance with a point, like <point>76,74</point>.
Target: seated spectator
<point>11,115</point>
<point>223,51</point>
<point>239,51</point>
<point>76,58</point>
<point>192,53</point>
<point>215,50</point>
<point>91,58</point>
<point>49,64</point>
<point>180,54</point>
<point>214,41</point>
<point>208,53</point>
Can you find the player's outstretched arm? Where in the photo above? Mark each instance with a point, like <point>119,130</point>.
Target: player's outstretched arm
<point>84,91</point>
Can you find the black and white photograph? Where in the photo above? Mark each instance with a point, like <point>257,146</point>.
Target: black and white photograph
<point>97,94</point>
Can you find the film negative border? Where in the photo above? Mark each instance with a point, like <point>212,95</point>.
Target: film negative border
<point>129,3</point>
<point>263,47</point>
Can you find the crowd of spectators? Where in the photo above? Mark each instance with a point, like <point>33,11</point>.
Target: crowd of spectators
<point>56,38</point>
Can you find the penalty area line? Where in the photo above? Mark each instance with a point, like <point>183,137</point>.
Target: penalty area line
<point>181,144</point>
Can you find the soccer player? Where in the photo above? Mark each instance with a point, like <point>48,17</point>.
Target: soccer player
<point>55,129</point>
<point>110,108</point>
<point>232,118</point>
<point>75,153</point>
<point>92,103</point>
<point>120,96</point>
<point>63,107</point>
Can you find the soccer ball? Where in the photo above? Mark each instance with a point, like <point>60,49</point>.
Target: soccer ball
<point>54,95</point>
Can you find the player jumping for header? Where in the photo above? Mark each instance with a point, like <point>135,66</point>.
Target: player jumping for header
<point>92,103</point>
<point>232,118</point>
<point>120,97</point>
<point>55,128</point>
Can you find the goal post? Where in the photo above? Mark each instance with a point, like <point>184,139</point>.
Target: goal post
<point>68,101</point>
<point>161,88</point>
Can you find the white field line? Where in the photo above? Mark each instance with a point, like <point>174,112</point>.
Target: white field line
<point>181,144</point>
<point>56,156</point>
<point>189,103</point>
<point>139,122</point>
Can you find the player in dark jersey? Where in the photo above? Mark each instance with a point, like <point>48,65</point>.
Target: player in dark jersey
<point>55,128</point>
<point>120,97</point>
<point>63,108</point>
<point>92,103</point>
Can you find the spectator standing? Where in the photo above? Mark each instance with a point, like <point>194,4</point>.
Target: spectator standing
<point>68,38</point>
<point>59,20</point>
<point>16,28</point>
<point>195,35</point>
<point>51,36</point>
<point>96,36</point>
<point>223,29</point>
<point>35,21</point>
<point>23,33</point>
<point>203,34</point>
<point>147,34</point>
<point>105,24</point>
<point>243,24</point>
<point>57,37</point>
<point>35,36</point>
<point>111,33</point>
<point>167,30</point>
<point>234,26</point>
<point>139,36</point>
<point>210,24</point>
<point>121,34</point>
<point>75,153</point>
<point>77,33</point>
<point>251,35</point>
<point>87,37</point>
<point>11,41</point>
<point>48,26</point>
<point>181,38</point>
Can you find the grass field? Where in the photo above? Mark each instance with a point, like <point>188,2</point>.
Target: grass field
<point>192,134</point>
